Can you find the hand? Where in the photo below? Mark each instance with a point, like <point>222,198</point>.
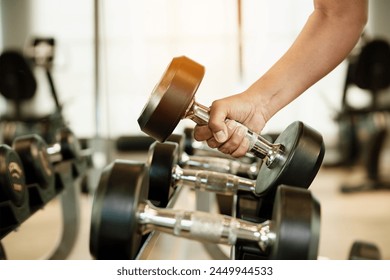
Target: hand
<point>224,130</point>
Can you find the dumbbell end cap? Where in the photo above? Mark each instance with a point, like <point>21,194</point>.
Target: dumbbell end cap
<point>171,98</point>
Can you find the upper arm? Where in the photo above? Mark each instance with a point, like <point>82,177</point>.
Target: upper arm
<point>353,11</point>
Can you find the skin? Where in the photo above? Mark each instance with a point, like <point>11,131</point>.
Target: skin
<point>330,33</point>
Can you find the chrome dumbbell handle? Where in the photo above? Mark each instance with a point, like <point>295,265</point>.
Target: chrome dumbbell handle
<point>216,164</point>
<point>223,165</point>
<point>54,152</point>
<point>204,227</point>
<point>205,180</point>
<point>258,146</point>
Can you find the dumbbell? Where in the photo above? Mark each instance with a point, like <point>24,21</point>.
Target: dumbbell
<point>12,177</point>
<point>362,250</point>
<point>294,158</point>
<point>38,157</point>
<point>214,163</point>
<point>122,215</point>
<point>247,167</point>
<point>165,174</point>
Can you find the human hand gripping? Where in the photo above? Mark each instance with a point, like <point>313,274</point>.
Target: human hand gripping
<point>230,119</point>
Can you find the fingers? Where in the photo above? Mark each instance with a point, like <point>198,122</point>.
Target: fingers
<point>217,125</point>
<point>227,135</point>
<point>236,145</point>
<point>202,133</point>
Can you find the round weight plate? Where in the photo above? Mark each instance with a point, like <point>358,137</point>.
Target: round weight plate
<point>303,154</point>
<point>161,160</point>
<point>3,256</point>
<point>296,224</point>
<point>70,145</point>
<point>362,250</point>
<point>179,140</point>
<point>115,232</point>
<point>189,139</point>
<point>17,81</point>
<point>12,177</point>
<point>171,98</point>
<point>32,150</point>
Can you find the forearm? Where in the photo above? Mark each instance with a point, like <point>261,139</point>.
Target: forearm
<point>323,43</point>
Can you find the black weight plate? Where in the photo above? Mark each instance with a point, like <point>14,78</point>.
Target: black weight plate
<point>296,224</point>
<point>189,139</point>
<point>115,232</point>
<point>171,98</point>
<point>3,256</point>
<point>32,150</point>
<point>362,250</point>
<point>70,144</point>
<point>17,81</point>
<point>303,154</point>
<point>12,177</point>
<point>162,158</point>
<point>179,140</point>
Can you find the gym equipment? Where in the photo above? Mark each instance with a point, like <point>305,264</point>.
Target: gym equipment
<point>12,177</point>
<point>3,256</point>
<point>67,145</point>
<point>209,159</point>
<point>362,250</point>
<point>214,163</point>
<point>363,129</point>
<point>11,216</point>
<point>133,143</point>
<point>33,151</point>
<point>294,160</point>
<point>121,215</point>
<point>51,170</point>
<point>17,82</point>
<point>18,85</point>
<point>375,127</point>
<point>37,156</point>
<point>165,174</point>
<point>14,194</point>
<point>41,52</point>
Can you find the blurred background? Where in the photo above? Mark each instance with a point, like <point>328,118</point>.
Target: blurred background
<point>137,40</point>
<point>110,54</point>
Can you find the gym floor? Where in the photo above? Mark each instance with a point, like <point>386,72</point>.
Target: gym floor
<point>345,218</point>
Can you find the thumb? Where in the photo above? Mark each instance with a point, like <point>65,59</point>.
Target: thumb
<point>217,124</point>
<point>221,136</point>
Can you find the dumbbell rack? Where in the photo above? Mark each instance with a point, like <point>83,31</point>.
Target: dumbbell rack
<point>66,173</point>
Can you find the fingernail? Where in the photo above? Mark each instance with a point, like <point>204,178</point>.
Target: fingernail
<point>231,124</point>
<point>220,136</point>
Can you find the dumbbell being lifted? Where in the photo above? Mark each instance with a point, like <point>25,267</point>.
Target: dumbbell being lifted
<point>294,159</point>
<point>121,215</point>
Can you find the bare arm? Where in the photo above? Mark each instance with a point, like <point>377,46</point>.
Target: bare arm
<point>328,36</point>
